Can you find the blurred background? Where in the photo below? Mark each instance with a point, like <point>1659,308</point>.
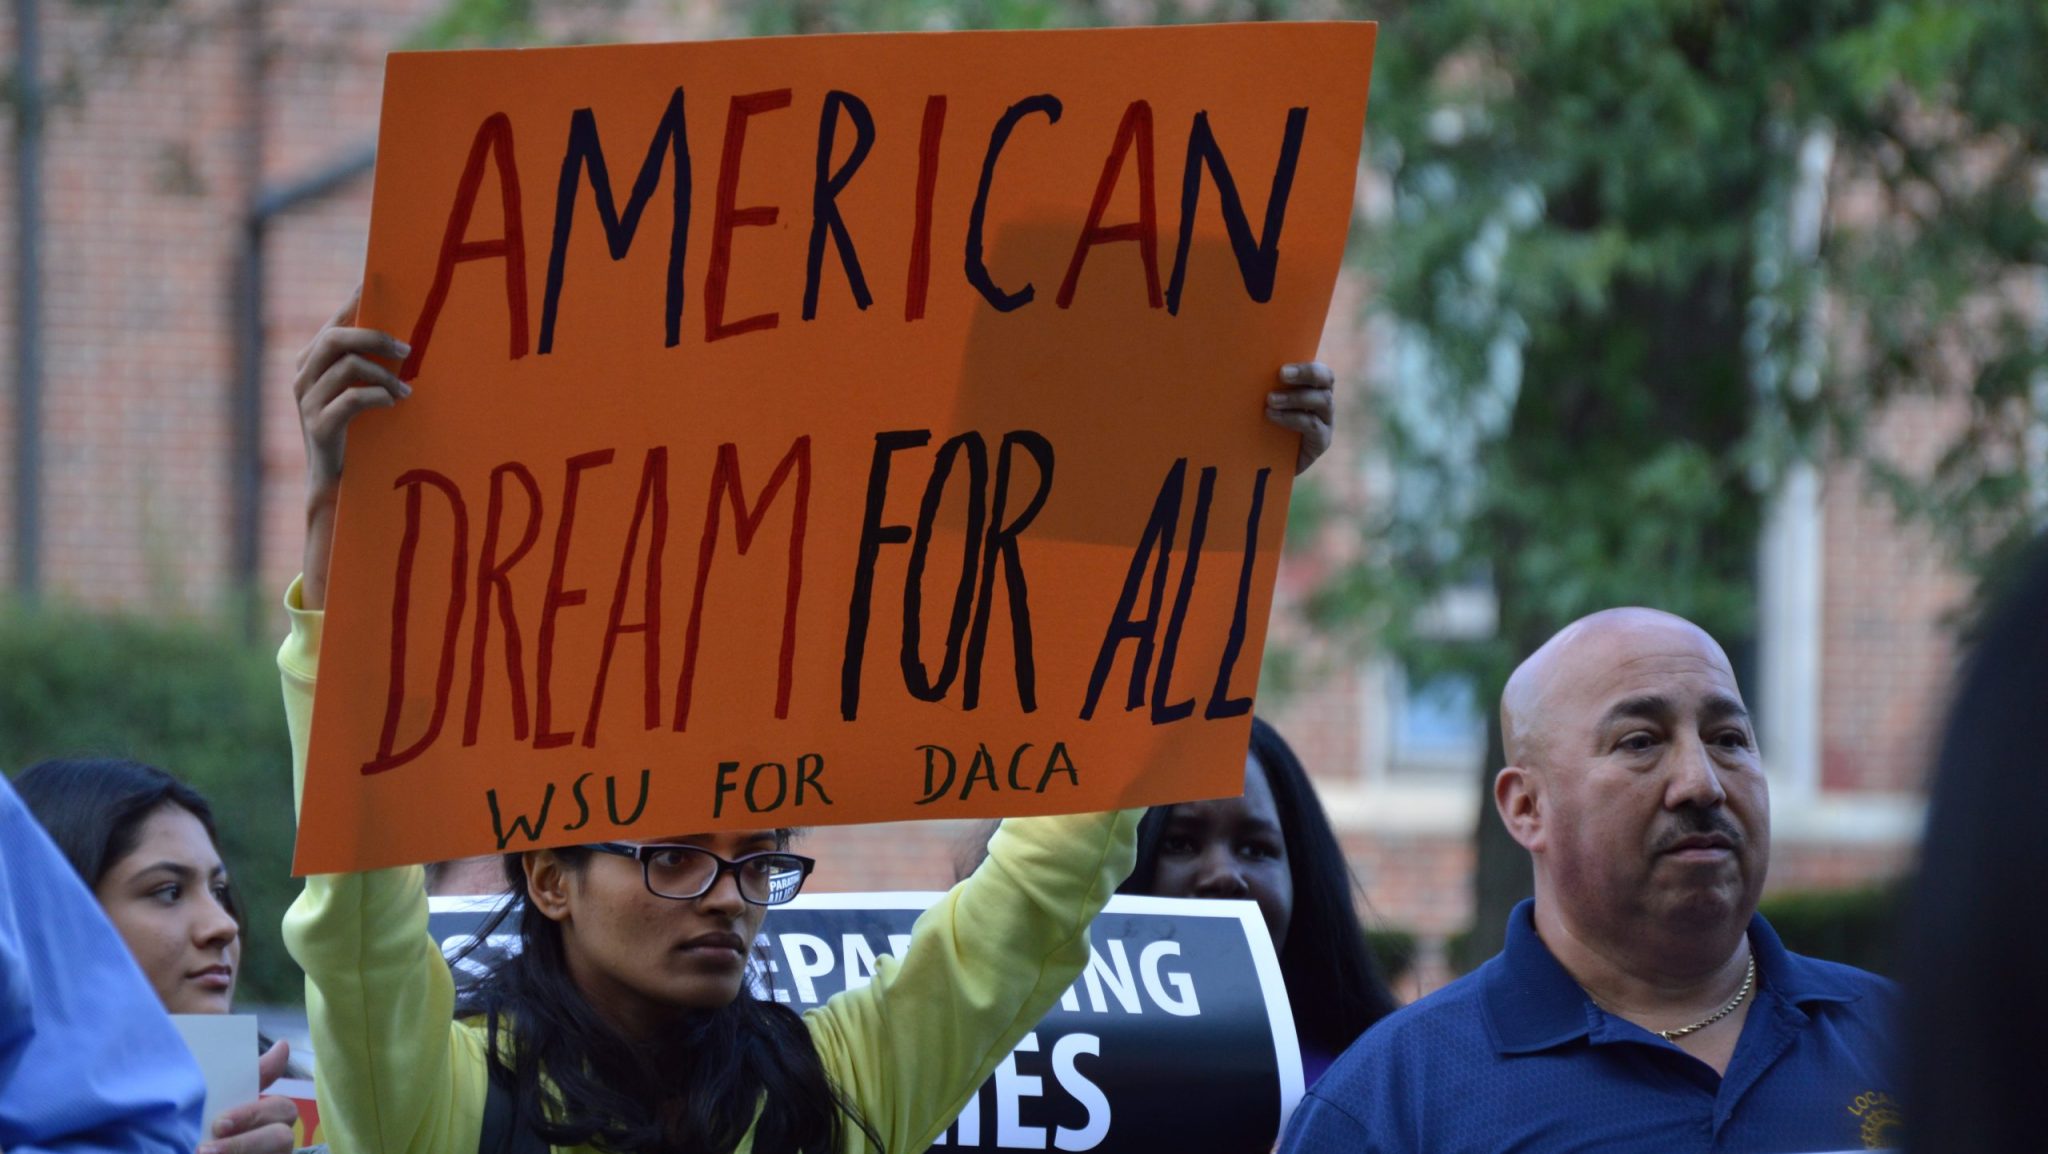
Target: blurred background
<point>1734,309</point>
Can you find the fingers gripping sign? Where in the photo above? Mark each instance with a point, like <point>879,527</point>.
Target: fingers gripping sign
<point>338,378</point>
<point>342,372</point>
<point>1306,403</point>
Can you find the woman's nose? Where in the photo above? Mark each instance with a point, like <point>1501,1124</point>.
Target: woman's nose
<point>724,895</point>
<point>216,927</point>
<point>1219,875</point>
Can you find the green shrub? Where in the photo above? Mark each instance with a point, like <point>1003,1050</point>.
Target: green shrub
<point>1852,926</point>
<point>1458,952</point>
<point>186,697</point>
<point>1856,927</point>
<point>1393,950</point>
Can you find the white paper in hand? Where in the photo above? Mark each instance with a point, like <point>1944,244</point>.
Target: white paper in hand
<point>225,1045</point>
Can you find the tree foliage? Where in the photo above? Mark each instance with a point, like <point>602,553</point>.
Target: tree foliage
<point>1607,342</point>
<point>188,699</point>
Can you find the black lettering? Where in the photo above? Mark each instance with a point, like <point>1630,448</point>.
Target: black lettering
<point>873,535</point>
<point>808,769</point>
<point>585,151</point>
<point>981,768</point>
<point>726,769</point>
<point>934,793</point>
<point>1258,261</point>
<point>1058,762</point>
<point>611,799</point>
<point>977,270</point>
<point>1002,543</point>
<point>1158,535</point>
<point>1016,759</point>
<point>781,786</point>
<point>1169,647</point>
<point>825,203</point>
<point>582,805</point>
<point>532,829</point>
<point>1221,705</point>
<point>921,684</point>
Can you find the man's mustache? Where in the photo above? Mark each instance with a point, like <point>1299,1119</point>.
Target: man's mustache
<point>1694,821</point>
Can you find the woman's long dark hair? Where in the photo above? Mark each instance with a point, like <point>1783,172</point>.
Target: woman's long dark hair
<point>578,1081</point>
<point>1974,956</point>
<point>94,809</point>
<point>1332,981</point>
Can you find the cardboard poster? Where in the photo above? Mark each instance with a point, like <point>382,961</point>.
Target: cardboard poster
<point>823,429</point>
<point>1178,1036</point>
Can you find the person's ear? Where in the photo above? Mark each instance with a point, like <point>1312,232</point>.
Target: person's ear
<point>547,883</point>
<point>1517,797</point>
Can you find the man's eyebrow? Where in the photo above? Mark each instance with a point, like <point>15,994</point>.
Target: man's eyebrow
<point>1647,707</point>
<point>1721,707</point>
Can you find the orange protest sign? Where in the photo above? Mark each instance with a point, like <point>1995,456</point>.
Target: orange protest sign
<point>823,429</point>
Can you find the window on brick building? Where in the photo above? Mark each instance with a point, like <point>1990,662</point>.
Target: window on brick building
<point>1436,723</point>
<point>1438,728</point>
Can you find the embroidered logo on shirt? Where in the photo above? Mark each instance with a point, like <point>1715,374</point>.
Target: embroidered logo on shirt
<point>1882,1125</point>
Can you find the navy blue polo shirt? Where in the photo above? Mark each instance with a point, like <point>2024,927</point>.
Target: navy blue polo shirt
<point>1516,1057</point>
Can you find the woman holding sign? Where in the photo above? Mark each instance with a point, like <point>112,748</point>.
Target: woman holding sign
<point>626,1022</point>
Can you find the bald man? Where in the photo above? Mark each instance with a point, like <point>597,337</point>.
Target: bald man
<point>1640,1002</point>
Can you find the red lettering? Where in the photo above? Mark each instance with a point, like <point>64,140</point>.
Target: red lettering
<point>493,141</point>
<point>729,217</point>
<point>491,579</point>
<point>557,599</point>
<point>653,497</point>
<point>725,482</point>
<point>401,605</point>
<point>1136,128</point>
<point>921,233</point>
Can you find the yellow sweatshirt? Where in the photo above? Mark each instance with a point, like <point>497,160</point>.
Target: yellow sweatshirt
<point>398,1076</point>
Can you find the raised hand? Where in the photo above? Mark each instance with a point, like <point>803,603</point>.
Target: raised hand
<point>1306,403</point>
<point>339,377</point>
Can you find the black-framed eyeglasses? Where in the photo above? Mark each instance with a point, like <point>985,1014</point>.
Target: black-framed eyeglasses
<point>683,872</point>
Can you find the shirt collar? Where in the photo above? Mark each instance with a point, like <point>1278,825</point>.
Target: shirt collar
<point>1798,980</point>
<point>1533,1004</point>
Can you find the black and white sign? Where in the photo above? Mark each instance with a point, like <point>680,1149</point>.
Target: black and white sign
<point>454,920</point>
<point>1177,1037</point>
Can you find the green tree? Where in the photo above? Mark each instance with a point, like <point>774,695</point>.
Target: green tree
<point>1607,344</point>
<point>190,700</point>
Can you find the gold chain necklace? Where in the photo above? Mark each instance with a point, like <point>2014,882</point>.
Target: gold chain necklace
<point>1734,1003</point>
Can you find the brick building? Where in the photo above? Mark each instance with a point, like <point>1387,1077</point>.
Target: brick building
<point>165,144</point>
